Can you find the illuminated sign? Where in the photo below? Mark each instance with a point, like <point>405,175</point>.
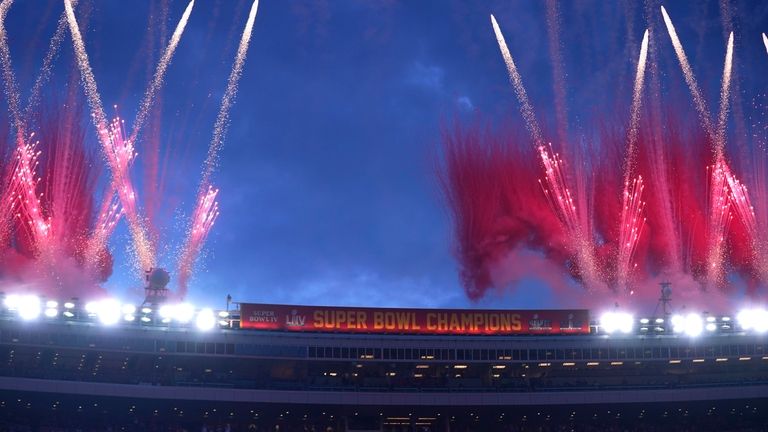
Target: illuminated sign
<point>412,321</point>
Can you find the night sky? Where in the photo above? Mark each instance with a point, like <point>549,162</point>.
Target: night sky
<point>329,192</point>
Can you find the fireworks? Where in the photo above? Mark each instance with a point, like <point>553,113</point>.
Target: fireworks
<point>49,234</point>
<point>205,214</point>
<point>765,42</point>
<point>222,120</point>
<point>703,225</point>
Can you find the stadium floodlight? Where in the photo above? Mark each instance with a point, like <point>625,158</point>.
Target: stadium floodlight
<point>206,319</point>
<point>223,314</point>
<point>51,304</point>
<point>146,319</point>
<point>68,314</point>
<point>166,312</point>
<point>711,327</point>
<point>108,311</point>
<point>27,306</point>
<point>612,322</point>
<point>753,319</point>
<point>51,312</point>
<point>69,305</point>
<point>146,310</point>
<point>694,325</point>
<point>678,323</point>
<point>129,317</point>
<point>183,313</point>
<point>92,307</point>
<point>129,309</point>
<point>11,301</point>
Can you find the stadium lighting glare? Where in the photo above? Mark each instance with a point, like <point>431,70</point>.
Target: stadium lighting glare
<point>91,307</point>
<point>710,319</point>
<point>68,314</point>
<point>223,314</point>
<point>223,323</point>
<point>753,319</point>
<point>644,320</point>
<point>678,323</point>
<point>129,309</point>
<point>659,320</point>
<point>205,320</point>
<point>129,317</point>
<point>166,311</point>
<point>108,311</point>
<point>69,305</point>
<point>51,312</point>
<point>146,319</point>
<point>51,304</point>
<point>612,322</point>
<point>693,325</point>
<point>183,313</point>
<point>11,301</point>
<point>28,307</point>
<point>711,327</point>
<point>146,310</point>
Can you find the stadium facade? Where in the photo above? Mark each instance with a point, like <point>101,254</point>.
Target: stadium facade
<point>278,367</point>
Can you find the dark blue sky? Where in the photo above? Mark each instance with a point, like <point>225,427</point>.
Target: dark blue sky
<point>327,176</point>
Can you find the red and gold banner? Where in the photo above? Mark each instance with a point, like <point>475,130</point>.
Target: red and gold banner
<point>412,321</point>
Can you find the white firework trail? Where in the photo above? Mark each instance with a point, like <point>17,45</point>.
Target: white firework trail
<point>517,82</point>
<point>11,88</point>
<point>690,78</point>
<point>45,69</point>
<point>556,186</point>
<point>157,78</point>
<point>632,220</point>
<point>725,97</point>
<point>111,144</point>
<point>222,120</point>
<point>765,42</point>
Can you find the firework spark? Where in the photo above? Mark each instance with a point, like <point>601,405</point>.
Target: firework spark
<point>205,214</point>
<point>26,204</point>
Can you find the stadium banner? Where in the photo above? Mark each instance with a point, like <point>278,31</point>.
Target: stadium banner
<point>412,321</point>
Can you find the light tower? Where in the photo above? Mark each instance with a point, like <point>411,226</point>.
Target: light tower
<point>664,300</point>
<point>156,290</point>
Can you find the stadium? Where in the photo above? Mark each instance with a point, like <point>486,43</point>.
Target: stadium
<point>161,366</point>
<point>621,173</point>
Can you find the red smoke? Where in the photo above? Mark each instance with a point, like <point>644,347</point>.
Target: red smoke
<point>492,189</point>
<point>67,173</point>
